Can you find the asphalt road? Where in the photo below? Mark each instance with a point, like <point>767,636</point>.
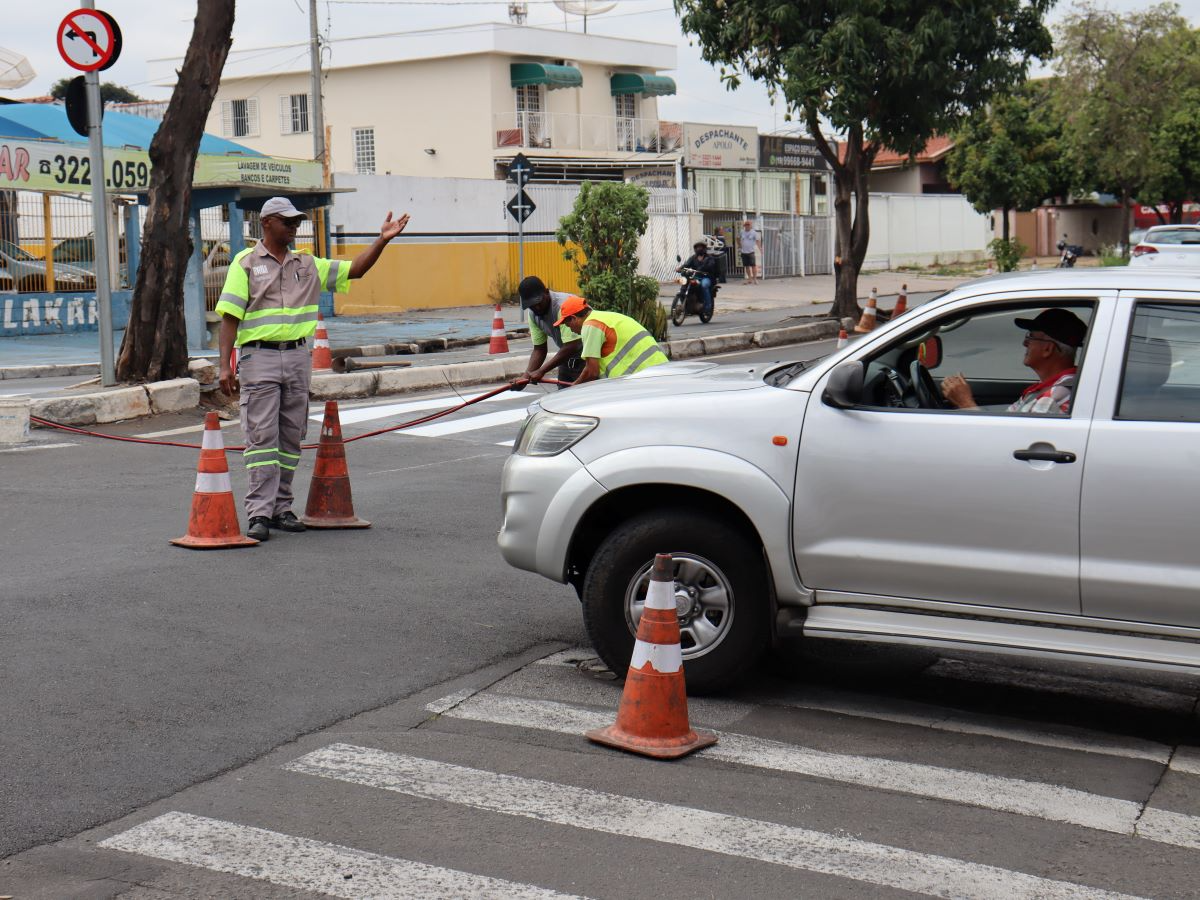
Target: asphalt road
<point>333,711</point>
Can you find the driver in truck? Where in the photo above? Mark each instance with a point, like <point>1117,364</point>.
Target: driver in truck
<point>1052,339</point>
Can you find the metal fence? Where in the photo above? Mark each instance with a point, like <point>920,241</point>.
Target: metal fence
<point>791,245</point>
<point>47,244</point>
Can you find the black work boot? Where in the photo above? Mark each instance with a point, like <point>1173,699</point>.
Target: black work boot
<point>259,528</point>
<point>287,521</point>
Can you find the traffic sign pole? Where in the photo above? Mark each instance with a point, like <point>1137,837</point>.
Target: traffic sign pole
<point>99,197</point>
<point>520,245</point>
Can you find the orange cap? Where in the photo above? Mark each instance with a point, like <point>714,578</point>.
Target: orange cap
<point>570,307</point>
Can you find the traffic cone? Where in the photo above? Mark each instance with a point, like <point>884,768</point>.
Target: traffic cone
<point>214,523</point>
<point>653,717</point>
<point>322,359</point>
<point>901,302</point>
<point>499,341</point>
<point>842,338</point>
<point>869,314</point>
<point>329,502</point>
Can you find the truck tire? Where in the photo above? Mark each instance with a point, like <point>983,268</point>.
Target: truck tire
<point>721,584</point>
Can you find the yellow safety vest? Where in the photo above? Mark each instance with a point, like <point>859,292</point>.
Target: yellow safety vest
<point>278,302</point>
<point>627,346</point>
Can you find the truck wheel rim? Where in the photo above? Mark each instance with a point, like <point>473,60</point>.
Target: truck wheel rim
<point>703,600</point>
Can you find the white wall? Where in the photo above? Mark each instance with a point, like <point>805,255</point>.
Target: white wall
<point>924,229</point>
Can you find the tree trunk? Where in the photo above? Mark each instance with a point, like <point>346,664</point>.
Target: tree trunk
<point>155,344</point>
<point>1004,233</point>
<point>853,229</point>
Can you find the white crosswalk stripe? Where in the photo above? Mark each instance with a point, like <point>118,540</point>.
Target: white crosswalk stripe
<point>683,826</point>
<point>470,423</point>
<point>559,695</point>
<point>1045,801</point>
<point>372,413</point>
<point>305,864</point>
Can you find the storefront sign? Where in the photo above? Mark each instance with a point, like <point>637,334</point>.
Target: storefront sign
<point>652,176</point>
<point>54,166</point>
<point>790,153</point>
<point>720,147</point>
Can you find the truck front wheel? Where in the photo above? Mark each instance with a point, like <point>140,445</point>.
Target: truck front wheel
<point>720,594</point>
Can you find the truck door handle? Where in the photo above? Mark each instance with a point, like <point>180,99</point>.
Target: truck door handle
<point>1057,456</point>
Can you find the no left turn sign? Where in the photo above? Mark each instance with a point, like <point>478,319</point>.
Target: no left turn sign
<point>89,40</point>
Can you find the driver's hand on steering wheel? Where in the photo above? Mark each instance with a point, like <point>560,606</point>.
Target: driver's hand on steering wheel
<point>957,392</point>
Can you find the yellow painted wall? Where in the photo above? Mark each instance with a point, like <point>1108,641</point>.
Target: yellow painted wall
<point>434,276</point>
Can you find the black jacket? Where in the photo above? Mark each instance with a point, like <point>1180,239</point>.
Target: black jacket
<point>707,264</point>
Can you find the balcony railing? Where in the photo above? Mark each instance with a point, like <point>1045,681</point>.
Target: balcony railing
<point>565,131</point>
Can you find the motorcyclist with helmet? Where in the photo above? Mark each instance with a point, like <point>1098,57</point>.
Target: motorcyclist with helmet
<point>708,266</point>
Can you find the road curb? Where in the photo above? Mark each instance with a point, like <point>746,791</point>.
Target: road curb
<point>180,394</point>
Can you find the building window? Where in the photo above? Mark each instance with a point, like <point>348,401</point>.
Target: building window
<point>239,118</point>
<point>364,151</point>
<point>293,114</point>
<point>531,115</point>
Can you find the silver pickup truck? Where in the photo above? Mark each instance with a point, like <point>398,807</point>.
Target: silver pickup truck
<point>847,498</point>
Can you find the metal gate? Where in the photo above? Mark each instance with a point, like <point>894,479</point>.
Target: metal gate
<point>791,245</point>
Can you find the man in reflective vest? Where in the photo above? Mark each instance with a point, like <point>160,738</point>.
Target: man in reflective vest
<point>613,344</point>
<point>542,307</point>
<point>269,310</point>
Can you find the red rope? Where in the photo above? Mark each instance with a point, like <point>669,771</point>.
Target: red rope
<point>47,423</point>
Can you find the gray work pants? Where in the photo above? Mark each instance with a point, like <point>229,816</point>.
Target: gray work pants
<point>274,404</point>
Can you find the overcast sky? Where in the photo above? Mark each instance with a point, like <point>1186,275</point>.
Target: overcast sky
<point>161,28</point>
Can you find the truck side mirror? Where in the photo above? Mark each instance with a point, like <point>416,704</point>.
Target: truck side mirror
<point>844,389</point>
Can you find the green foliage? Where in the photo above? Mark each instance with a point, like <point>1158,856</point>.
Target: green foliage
<point>1127,92</point>
<point>603,228</point>
<point>1008,156</point>
<point>902,71</point>
<point>109,92</point>
<point>1007,253</point>
<point>880,73</point>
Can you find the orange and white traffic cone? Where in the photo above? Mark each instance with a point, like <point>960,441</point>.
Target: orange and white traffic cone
<point>322,359</point>
<point>214,523</point>
<point>870,314</point>
<point>330,504</point>
<point>499,341</point>
<point>842,339</point>
<point>653,717</point>
<point>901,302</point>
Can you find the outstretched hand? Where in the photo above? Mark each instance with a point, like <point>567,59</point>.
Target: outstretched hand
<point>392,227</point>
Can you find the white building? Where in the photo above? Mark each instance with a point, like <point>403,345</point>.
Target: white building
<point>461,102</point>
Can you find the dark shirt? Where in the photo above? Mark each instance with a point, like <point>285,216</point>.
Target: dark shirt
<point>707,264</point>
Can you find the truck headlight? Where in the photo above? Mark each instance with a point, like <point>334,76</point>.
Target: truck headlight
<point>548,434</point>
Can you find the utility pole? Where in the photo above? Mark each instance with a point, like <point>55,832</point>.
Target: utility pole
<point>317,113</point>
<point>316,121</point>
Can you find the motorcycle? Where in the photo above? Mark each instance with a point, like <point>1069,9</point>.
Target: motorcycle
<point>689,301</point>
<point>1068,253</point>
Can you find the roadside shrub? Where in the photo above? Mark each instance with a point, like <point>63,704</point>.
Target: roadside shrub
<point>1006,253</point>
<point>603,230</point>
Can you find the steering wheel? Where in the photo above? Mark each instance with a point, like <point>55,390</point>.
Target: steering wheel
<point>900,393</point>
<point>928,395</point>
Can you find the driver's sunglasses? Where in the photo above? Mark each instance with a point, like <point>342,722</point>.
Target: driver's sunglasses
<point>1029,338</point>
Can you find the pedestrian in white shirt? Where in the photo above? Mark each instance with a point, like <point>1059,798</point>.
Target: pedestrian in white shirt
<point>750,243</point>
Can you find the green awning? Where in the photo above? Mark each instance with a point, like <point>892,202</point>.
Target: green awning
<point>553,77</point>
<point>647,85</point>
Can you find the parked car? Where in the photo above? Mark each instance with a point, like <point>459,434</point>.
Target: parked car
<point>29,272</point>
<point>1168,246</point>
<point>841,499</point>
<point>80,252</point>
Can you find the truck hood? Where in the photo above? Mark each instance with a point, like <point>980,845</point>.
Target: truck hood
<point>658,383</point>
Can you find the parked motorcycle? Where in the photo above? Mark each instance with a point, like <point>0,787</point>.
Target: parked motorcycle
<point>689,300</point>
<point>1067,254</point>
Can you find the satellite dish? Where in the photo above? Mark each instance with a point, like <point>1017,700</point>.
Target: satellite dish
<point>583,8</point>
<point>15,70</point>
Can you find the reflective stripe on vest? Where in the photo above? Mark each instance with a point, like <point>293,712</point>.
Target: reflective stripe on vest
<point>635,350</point>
